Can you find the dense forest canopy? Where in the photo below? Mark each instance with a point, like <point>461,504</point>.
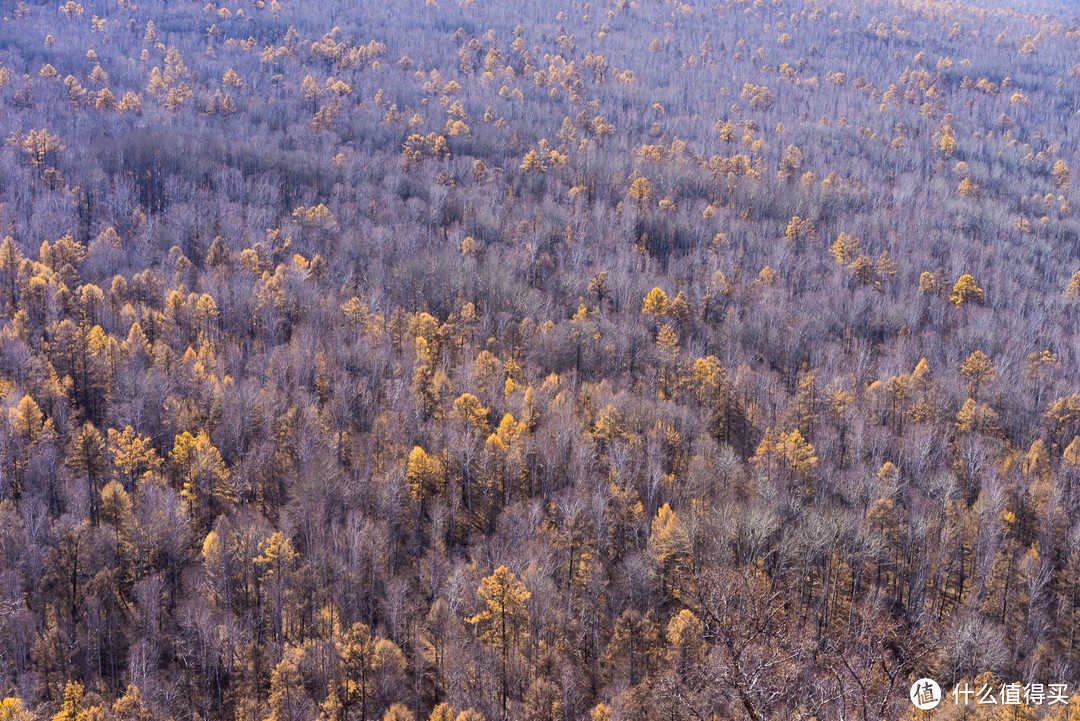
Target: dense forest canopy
<point>612,360</point>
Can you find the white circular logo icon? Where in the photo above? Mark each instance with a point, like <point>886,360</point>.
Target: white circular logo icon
<point>925,694</point>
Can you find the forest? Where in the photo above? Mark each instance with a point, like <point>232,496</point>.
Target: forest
<point>606,360</point>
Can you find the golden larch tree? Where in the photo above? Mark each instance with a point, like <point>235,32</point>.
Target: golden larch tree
<point>503,618</point>
<point>966,291</point>
<point>669,543</point>
<point>203,477</point>
<point>357,652</point>
<point>978,371</point>
<point>1061,175</point>
<point>655,304</point>
<point>424,473</point>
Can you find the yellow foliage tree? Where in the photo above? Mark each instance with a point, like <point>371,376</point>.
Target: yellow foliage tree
<point>799,229</point>
<point>532,163</point>
<point>11,709</point>
<point>72,708</point>
<point>845,249</point>
<point>1072,452</point>
<point>503,617</point>
<point>442,712</point>
<point>966,291</point>
<point>655,304</point>
<point>862,269</point>
<point>287,697</point>
<point>424,474</point>
<point>231,80</point>
<point>968,189</point>
<point>686,642</point>
<point>767,277</point>
<point>398,712</point>
<point>203,476</point>
<point>130,706</point>
<point>798,454</point>
<point>275,565</point>
<point>977,418</point>
<point>357,652</point>
<point>1073,291</point>
<point>1061,174</point>
<point>789,164</point>
<point>133,456</point>
<point>978,371</point>
<point>467,408</point>
<point>641,191</point>
<point>27,419</point>
<point>669,543</point>
<point>115,510</point>
<point>789,452</point>
<point>885,267</point>
<point>105,100</point>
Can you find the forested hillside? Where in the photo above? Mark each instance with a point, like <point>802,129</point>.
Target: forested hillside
<point>554,361</point>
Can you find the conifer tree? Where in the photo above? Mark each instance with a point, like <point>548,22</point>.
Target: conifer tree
<point>203,476</point>
<point>966,291</point>
<point>502,619</point>
<point>357,651</point>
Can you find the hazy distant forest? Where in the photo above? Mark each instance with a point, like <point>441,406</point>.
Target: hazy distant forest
<point>543,360</point>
